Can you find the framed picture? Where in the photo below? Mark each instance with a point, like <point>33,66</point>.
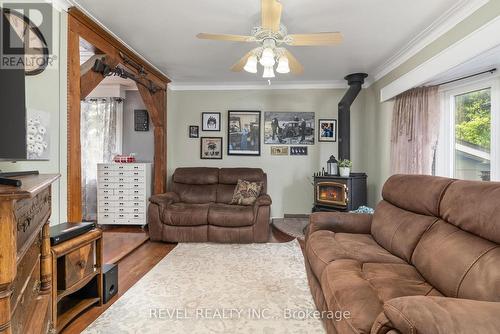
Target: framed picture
<point>211,148</point>
<point>243,133</point>
<point>194,131</point>
<point>298,150</point>
<point>289,128</point>
<point>327,130</point>
<point>279,150</point>
<point>210,121</point>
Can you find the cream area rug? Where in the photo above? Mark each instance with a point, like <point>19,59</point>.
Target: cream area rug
<point>218,288</point>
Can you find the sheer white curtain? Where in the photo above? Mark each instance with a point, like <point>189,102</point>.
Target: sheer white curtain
<point>99,144</point>
<point>415,127</point>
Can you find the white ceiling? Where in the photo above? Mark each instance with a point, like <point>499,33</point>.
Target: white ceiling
<point>164,33</point>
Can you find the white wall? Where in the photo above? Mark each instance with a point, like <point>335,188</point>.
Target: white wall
<point>48,92</point>
<point>289,178</point>
<point>139,142</point>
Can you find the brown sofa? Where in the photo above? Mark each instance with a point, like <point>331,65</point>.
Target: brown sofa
<point>198,208</point>
<point>427,261</point>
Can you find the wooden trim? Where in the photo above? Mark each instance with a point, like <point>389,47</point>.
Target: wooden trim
<point>81,84</point>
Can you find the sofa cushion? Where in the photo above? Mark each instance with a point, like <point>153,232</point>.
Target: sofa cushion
<point>324,246</point>
<point>398,230</point>
<point>186,214</point>
<point>473,206</point>
<point>458,263</point>
<point>227,215</point>
<point>196,193</point>
<point>196,175</point>
<point>362,289</point>
<point>232,175</point>
<point>417,193</point>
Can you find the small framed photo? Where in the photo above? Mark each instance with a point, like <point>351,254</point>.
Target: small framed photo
<point>279,150</point>
<point>327,130</point>
<point>243,133</point>
<point>298,150</point>
<point>210,121</point>
<point>211,148</point>
<point>194,131</point>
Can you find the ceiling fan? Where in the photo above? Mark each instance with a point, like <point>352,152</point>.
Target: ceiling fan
<point>271,35</point>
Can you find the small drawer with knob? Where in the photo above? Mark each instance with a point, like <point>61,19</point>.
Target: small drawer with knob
<point>75,266</point>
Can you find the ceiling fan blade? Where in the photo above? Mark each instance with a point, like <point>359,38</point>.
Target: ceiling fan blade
<point>225,37</point>
<point>271,14</point>
<point>295,67</point>
<point>238,67</point>
<point>322,38</point>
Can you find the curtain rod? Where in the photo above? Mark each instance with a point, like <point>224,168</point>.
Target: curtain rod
<point>491,71</point>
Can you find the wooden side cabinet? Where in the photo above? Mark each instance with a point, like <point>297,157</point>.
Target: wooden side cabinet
<point>25,264</point>
<point>77,277</point>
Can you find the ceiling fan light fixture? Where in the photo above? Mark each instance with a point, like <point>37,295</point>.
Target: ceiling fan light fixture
<point>268,72</point>
<point>267,58</point>
<point>251,65</point>
<point>283,66</point>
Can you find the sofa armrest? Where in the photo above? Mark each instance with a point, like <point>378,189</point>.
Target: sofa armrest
<point>164,199</point>
<point>341,222</point>
<point>438,315</point>
<point>263,200</point>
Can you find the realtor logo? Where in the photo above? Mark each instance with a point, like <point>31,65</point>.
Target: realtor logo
<point>26,36</point>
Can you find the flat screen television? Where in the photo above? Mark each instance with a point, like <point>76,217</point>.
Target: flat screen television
<point>13,139</point>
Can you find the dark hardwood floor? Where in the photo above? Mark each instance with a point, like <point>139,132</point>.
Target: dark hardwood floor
<point>135,265</point>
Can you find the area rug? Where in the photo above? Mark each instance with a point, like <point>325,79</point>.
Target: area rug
<point>218,288</point>
<point>294,227</point>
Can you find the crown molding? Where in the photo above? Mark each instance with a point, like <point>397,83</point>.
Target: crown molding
<point>219,86</point>
<point>456,14</point>
<point>474,44</point>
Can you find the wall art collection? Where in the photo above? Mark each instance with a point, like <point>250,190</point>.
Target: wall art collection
<point>280,129</point>
<point>243,133</point>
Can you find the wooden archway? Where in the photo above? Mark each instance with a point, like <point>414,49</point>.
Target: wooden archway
<point>82,80</point>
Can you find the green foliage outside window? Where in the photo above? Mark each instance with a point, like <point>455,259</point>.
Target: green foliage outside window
<point>473,118</point>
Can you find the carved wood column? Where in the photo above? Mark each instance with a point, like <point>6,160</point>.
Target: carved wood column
<point>46,261</point>
<point>7,262</point>
<point>74,147</point>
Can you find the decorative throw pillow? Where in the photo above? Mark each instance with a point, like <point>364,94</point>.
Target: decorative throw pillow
<point>246,192</point>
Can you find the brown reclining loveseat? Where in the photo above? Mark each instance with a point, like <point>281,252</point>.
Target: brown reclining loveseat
<point>427,261</point>
<point>198,208</point>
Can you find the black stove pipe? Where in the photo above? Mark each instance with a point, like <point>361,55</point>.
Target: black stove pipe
<point>355,82</point>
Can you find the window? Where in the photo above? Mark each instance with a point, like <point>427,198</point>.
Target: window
<point>468,143</point>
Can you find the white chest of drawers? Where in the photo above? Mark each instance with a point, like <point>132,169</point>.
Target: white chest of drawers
<point>123,190</point>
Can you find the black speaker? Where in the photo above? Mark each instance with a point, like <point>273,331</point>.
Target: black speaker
<point>110,281</point>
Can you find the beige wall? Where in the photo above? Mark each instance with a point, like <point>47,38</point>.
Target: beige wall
<point>376,148</point>
<point>289,178</point>
<point>47,92</point>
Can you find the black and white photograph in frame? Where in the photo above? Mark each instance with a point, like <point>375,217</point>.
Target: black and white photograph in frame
<point>327,130</point>
<point>243,133</point>
<point>194,131</point>
<point>289,128</point>
<point>211,148</point>
<point>298,150</point>
<point>210,121</point>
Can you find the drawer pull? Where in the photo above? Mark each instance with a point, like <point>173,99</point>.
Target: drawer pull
<point>81,264</point>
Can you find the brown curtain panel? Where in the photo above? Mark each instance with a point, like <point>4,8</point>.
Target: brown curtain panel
<point>415,128</point>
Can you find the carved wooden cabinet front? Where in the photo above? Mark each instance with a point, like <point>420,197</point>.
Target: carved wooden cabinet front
<point>25,264</point>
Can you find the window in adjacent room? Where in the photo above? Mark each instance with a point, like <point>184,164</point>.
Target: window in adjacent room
<point>468,144</point>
